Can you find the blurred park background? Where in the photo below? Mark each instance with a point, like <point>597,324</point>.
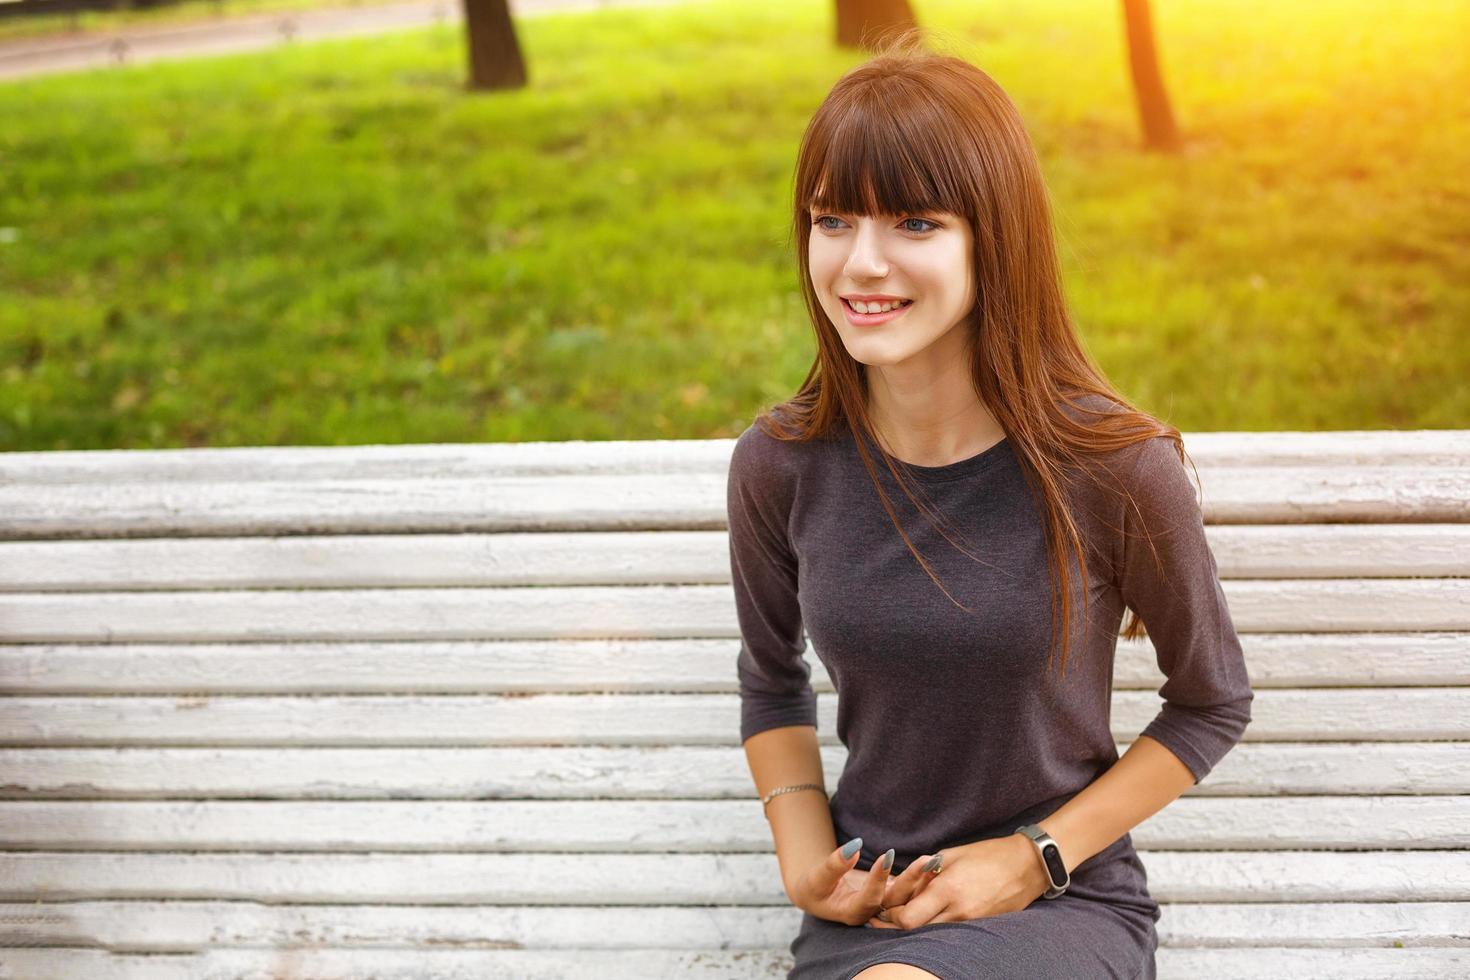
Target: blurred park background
<point>336,242</point>
<point>94,16</point>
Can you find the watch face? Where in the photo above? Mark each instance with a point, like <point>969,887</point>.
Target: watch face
<point>1052,855</point>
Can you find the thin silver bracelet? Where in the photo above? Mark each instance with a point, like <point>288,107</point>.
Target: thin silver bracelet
<point>791,789</point>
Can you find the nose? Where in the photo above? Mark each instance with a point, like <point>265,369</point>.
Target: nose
<point>866,260</point>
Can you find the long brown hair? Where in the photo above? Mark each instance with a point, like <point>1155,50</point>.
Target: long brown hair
<point>912,131</point>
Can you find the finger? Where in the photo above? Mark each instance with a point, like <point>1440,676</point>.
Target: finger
<point>929,906</point>
<point>929,868</point>
<point>839,863</point>
<point>903,899</point>
<point>886,921</point>
<point>918,874</point>
<point>909,884</point>
<point>877,882</point>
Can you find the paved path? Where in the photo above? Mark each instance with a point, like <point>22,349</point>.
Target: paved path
<point>24,57</point>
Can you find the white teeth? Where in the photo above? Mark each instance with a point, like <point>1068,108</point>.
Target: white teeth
<point>862,307</point>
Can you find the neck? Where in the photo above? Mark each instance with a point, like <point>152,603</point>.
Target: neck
<point>932,426</point>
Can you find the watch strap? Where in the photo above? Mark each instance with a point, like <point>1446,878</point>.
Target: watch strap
<point>1050,854</point>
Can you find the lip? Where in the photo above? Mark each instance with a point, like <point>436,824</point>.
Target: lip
<point>872,319</point>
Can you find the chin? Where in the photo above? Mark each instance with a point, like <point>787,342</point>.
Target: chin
<point>876,354</point>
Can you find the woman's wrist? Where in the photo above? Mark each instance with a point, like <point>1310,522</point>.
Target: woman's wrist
<point>1028,859</point>
<point>801,826</point>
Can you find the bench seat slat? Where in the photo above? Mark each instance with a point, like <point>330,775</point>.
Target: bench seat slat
<point>560,772</point>
<point>1347,447</point>
<point>711,964</point>
<point>1267,551</point>
<point>146,926</point>
<point>1331,715</point>
<point>626,612</point>
<point>1233,494</point>
<point>666,826</point>
<point>668,879</point>
<point>1275,660</point>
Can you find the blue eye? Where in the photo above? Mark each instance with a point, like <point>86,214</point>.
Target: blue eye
<point>918,231</point>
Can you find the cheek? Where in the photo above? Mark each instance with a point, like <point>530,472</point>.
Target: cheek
<point>823,260</point>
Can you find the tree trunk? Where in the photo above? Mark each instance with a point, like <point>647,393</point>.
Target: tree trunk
<point>1159,131</point>
<point>863,23</point>
<point>495,54</point>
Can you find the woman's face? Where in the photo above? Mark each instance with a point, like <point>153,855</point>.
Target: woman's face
<point>925,258</point>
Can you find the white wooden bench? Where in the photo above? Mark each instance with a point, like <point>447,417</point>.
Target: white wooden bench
<point>470,711</point>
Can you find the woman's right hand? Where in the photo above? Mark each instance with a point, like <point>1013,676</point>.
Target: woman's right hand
<point>834,889</point>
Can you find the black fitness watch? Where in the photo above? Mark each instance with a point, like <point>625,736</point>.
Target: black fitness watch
<point>1051,859</point>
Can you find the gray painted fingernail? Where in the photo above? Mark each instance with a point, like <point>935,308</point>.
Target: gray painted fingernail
<point>851,847</point>
<point>888,859</point>
<point>934,863</point>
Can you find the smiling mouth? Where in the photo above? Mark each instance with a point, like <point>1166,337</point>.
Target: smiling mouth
<point>873,319</point>
<point>900,306</point>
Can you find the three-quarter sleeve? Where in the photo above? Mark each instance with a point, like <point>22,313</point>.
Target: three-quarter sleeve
<point>775,680</point>
<point>1177,593</point>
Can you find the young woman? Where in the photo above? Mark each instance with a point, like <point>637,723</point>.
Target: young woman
<point>958,509</point>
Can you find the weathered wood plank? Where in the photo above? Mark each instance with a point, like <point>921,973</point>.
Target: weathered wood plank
<point>682,825</point>
<point>1173,964</point>
<point>563,772</point>
<point>1284,551</point>
<point>1372,714</point>
<point>1262,963</point>
<point>623,612</point>
<point>634,501</point>
<point>668,879</point>
<point>438,461</point>
<point>1360,448</point>
<point>612,558</point>
<point>1275,660</point>
<point>144,926</point>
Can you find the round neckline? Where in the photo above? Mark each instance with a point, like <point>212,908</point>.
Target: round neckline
<point>959,469</point>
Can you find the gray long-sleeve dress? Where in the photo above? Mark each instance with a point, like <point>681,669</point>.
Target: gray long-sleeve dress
<point>956,730</point>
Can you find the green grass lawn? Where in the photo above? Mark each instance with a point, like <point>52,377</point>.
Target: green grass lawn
<point>334,243</point>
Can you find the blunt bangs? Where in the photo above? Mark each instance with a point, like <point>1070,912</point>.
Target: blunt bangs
<point>882,163</point>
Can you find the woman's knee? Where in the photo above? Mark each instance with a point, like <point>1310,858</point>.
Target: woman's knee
<point>895,971</point>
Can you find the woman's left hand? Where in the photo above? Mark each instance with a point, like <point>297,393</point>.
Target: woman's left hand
<point>988,877</point>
